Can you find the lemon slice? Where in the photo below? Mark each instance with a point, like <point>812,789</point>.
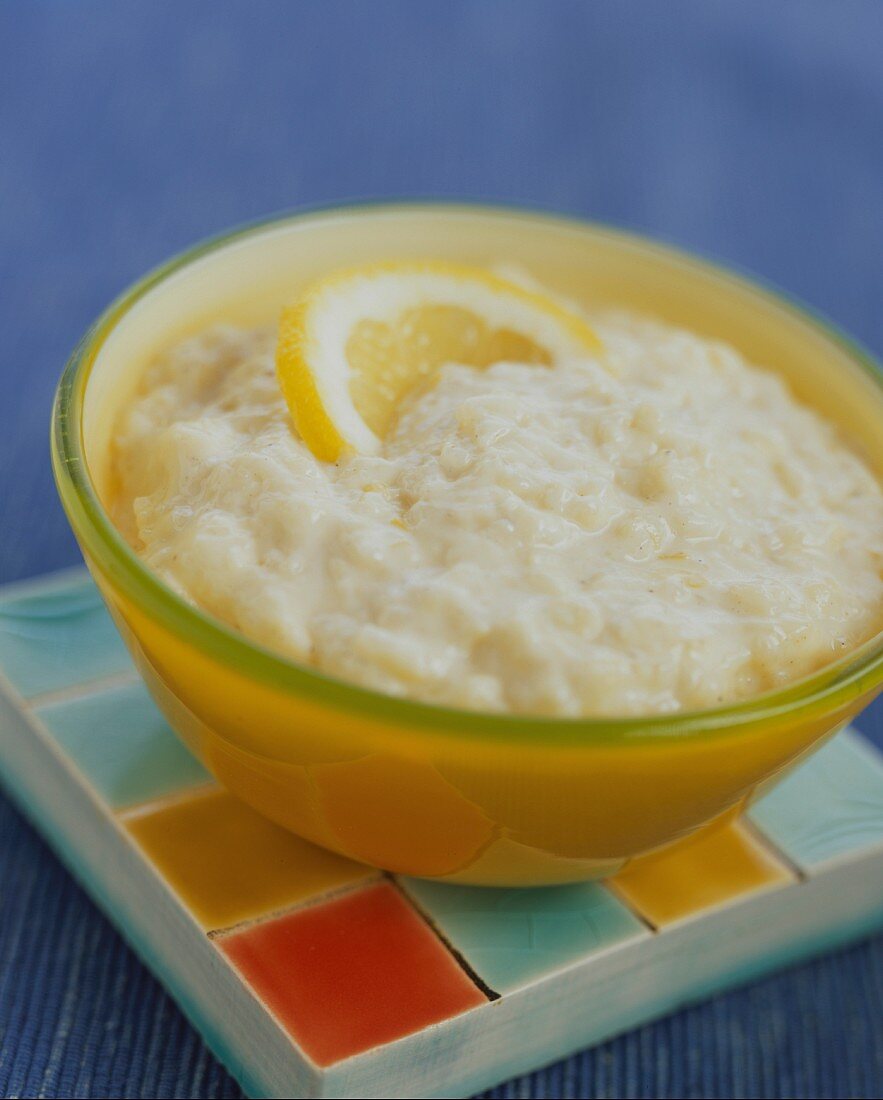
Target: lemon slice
<point>359,340</point>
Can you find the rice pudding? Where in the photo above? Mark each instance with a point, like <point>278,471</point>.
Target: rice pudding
<point>656,528</point>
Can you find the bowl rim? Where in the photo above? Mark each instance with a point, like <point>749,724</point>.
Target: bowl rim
<point>834,686</point>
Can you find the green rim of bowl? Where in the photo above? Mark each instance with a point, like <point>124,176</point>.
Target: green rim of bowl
<point>832,688</point>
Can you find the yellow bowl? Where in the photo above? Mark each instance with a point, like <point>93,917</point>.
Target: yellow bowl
<point>415,788</point>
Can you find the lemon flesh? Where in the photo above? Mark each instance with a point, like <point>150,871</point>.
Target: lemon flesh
<point>357,342</point>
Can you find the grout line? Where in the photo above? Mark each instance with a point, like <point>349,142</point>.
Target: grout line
<point>206,790</point>
<point>146,869</point>
<point>491,994</point>
<point>768,847</point>
<point>623,899</point>
<point>165,801</point>
<point>771,848</point>
<point>330,894</point>
<point>74,692</point>
<point>694,916</point>
<point>50,744</point>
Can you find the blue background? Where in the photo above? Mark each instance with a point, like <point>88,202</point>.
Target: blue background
<point>750,131</point>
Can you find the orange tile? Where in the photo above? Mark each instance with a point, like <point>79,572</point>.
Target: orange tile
<point>705,871</point>
<point>230,864</point>
<point>352,973</point>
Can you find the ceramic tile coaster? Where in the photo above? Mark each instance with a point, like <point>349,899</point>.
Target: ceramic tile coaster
<point>311,975</point>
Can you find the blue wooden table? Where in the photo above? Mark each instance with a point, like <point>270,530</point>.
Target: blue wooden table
<point>752,132</point>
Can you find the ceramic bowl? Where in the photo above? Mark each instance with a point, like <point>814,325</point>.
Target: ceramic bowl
<point>414,788</point>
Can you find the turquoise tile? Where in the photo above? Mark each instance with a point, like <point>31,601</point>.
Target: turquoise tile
<point>512,937</point>
<point>830,807</point>
<point>56,635</point>
<point>122,744</point>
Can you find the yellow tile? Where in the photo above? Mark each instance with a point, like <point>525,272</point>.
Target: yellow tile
<point>703,872</point>
<point>229,864</point>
